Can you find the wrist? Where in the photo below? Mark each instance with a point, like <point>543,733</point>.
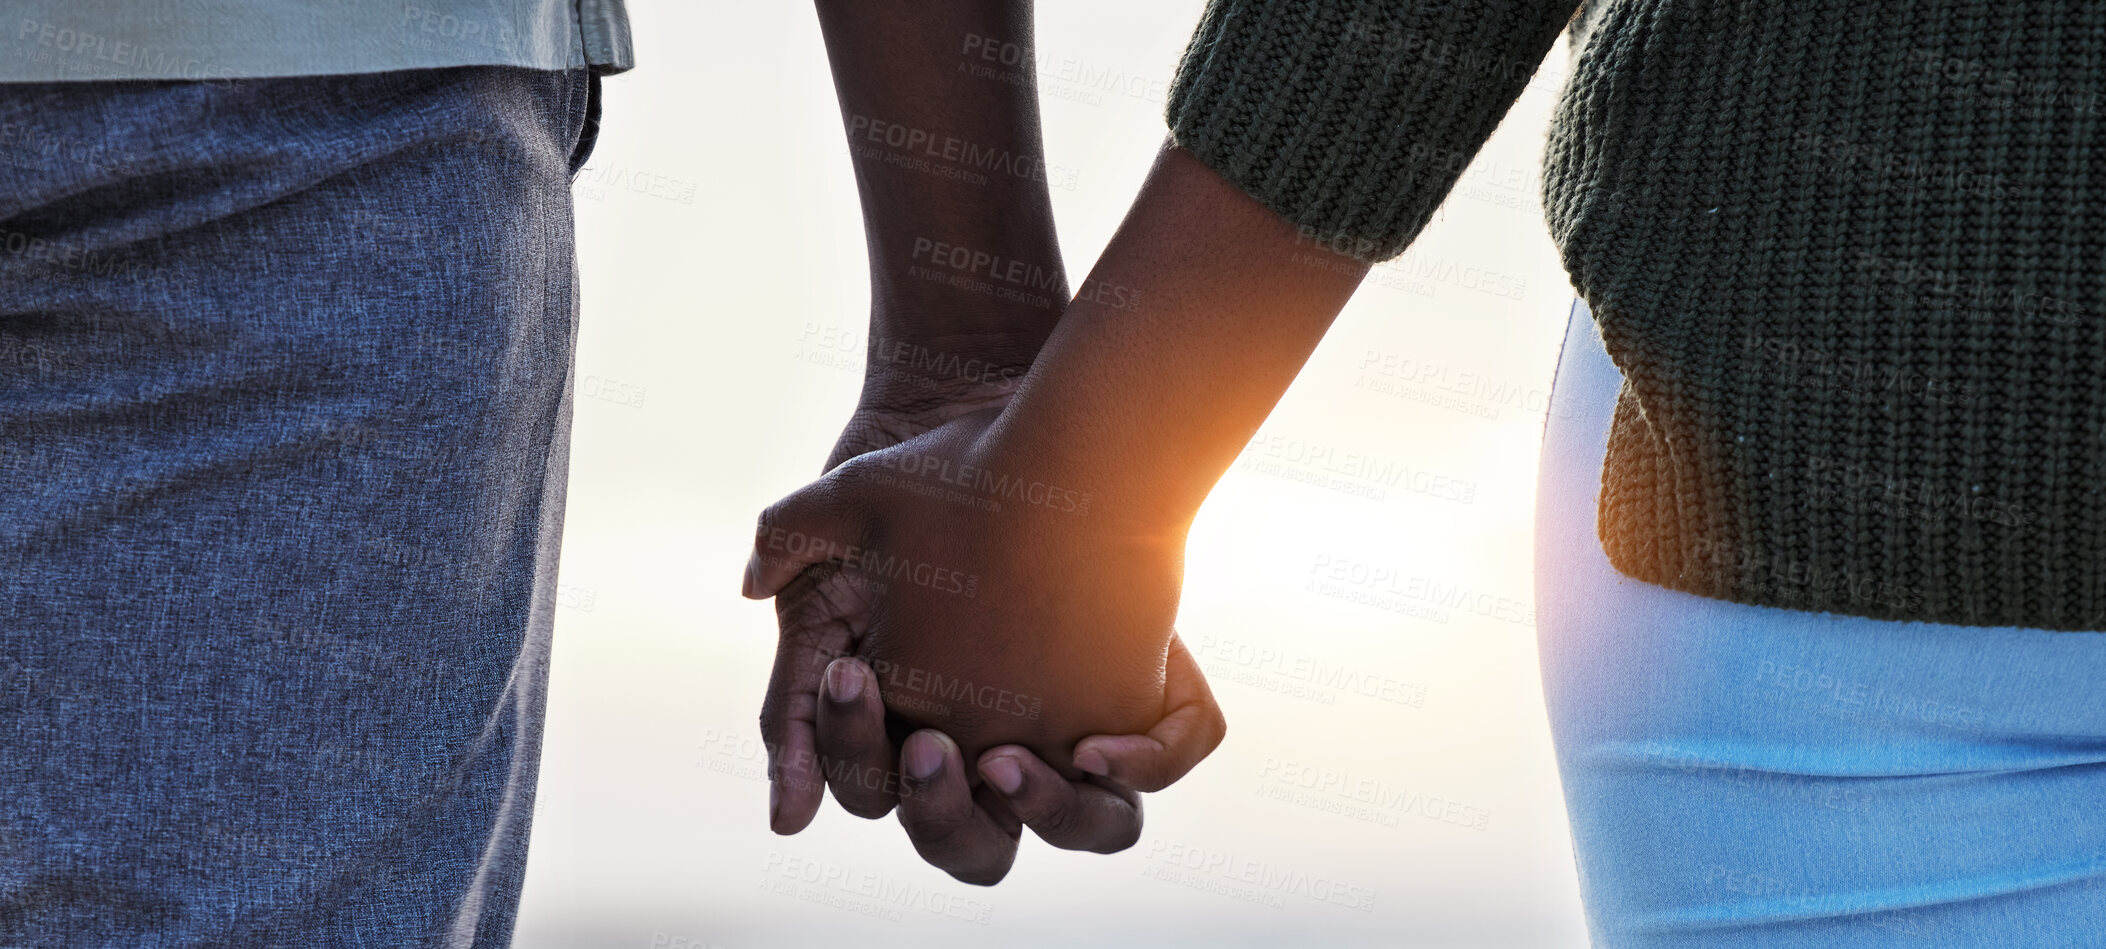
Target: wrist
<point>1130,494</point>
<point>1142,488</point>
<point>966,364</point>
<point>954,284</point>
<point>914,382</point>
<point>1148,405</point>
<point>981,266</point>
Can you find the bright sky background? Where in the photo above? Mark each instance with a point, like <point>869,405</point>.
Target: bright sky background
<point>725,294</point>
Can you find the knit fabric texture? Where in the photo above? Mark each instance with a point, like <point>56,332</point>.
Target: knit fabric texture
<point>1847,254</point>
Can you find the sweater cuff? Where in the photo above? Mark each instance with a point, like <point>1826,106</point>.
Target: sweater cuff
<point>1354,118</point>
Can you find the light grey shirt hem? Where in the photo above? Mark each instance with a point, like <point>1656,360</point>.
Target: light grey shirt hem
<point>88,40</point>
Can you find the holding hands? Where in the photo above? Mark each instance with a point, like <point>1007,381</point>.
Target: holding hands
<point>976,599</point>
<point>999,632</point>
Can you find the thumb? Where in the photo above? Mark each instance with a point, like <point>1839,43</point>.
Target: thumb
<point>808,527</point>
<point>1190,731</point>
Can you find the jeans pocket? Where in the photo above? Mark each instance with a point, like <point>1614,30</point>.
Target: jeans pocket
<point>589,129</point>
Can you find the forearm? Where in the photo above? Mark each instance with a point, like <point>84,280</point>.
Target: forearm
<point>939,102</point>
<point>1202,310</point>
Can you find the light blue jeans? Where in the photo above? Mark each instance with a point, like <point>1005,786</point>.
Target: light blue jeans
<point>1743,776</point>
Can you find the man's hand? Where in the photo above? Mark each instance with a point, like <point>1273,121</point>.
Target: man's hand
<point>1142,410</point>
<point>990,604</point>
<point>824,721</point>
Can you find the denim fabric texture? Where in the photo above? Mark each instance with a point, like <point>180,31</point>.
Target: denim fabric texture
<point>285,375</point>
<point>1745,776</point>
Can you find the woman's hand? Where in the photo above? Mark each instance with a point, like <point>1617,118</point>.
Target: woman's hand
<point>824,720</point>
<point>999,607</point>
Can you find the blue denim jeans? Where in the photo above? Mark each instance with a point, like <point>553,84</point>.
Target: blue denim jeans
<point>285,373</point>
<point>1742,776</point>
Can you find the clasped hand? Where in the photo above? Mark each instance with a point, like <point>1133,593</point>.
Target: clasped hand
<point>937,593</point>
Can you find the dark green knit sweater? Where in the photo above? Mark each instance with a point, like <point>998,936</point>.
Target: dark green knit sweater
<point>1847,253</point>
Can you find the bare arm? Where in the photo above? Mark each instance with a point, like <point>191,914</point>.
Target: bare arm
<point>939,107</point>
<point>1203,308</point>
<point>939,104</point>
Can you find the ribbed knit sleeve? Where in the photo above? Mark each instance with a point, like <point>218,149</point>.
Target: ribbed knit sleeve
<point>1353,118</point>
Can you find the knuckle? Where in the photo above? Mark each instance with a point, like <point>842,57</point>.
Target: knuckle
<point>1059,822</point>
<point>1217,728</point>
<point>796,781</point>
<point>1125,834</point>
<point>1150,777</point>
<point>853,470</point>
<point>837,755</point>
<point>866,792</point>
<point>934,837</point>
<point>769,518</point>
<point>838,734</point>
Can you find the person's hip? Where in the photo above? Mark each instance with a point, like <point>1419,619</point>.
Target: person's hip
<point>284,401</point>
<point>1749,776</point>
